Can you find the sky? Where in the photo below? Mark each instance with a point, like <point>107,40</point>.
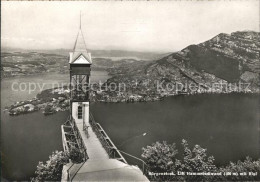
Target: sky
<point>158,26</point>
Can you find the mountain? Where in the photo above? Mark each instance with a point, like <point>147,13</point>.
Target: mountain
<point>231,59</point>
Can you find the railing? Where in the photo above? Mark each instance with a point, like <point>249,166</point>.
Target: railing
<point>65,128</point>
<point>71,137</point>
<point>111,149</point>
<point>106,142</point>
<point>79,139</point>
<point>64,140</point>
<point>145,167</point>
<point>73,170</point>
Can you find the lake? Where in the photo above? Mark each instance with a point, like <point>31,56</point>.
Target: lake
<point>30,138</point>
<point>227,125</point>
<point>31,85</point>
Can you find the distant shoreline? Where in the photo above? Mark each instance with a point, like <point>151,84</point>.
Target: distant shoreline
<point>62,104</point>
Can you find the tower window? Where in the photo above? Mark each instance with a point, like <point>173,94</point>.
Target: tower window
<point>79,112</point>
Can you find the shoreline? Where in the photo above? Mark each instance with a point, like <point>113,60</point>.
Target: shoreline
<point>62,104</point>
<point>177,95</point>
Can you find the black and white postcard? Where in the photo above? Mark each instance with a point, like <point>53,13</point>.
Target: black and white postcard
<point>130,90</point>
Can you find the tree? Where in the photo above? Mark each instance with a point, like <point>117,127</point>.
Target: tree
<point>248,166</point>
<point>160,157</point>
<point>26,108</point>
<point>196,160</point>
<point>51,170</point>
<point>48,109</point>
<point>75,155</point>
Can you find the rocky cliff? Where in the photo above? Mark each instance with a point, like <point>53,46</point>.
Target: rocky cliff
<point>225,58</point>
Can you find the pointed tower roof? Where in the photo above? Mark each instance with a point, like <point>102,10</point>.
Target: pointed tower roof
<point>80,44</point>
<point>80,49</point>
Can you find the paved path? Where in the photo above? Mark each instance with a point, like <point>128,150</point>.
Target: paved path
<point>94,147</point>
<point>99,167</point>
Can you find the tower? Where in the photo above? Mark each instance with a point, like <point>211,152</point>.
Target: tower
<point>80,67</point>
<point>103,161</point>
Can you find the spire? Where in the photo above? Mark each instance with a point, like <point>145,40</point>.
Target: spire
<point>80,45</point>
<point>80,53</point>
<point>80,21</point>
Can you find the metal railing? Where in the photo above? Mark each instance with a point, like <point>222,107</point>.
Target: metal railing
<point>79,139</point>
<point>63,134</point>
<point>104,139</point>
<point>144,166</point>
<point>106,142</point>
<point>111,149</point>
<point>72,137</point>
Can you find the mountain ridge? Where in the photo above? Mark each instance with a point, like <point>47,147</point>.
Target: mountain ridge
<point>228,58</point>
<point>223,55</point>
